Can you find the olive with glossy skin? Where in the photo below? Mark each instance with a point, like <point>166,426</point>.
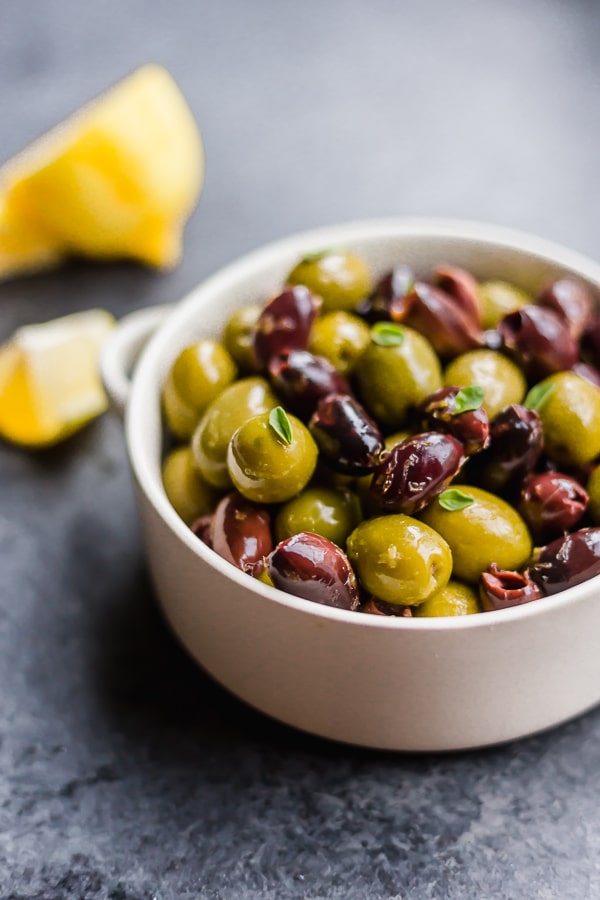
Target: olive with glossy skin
<point>501,379</point>
<point>188,492</point>
<point>551,503</point>
<point>238,402</point>
<point>284,324</point>
<point>439,412</point>
<point>341,279</point>
<point>539,340</point>
<point>391,292</point>
<point>341,338</point>
<point>331,512</point>
<point>238,336</point>
<point>266,468</point>
<point>456,599</point>
<point>460,285</point>
<point>240,532</point>
<point>502,589</point>
<point>394,379</point>
<point>399,559</point>
<point>487,531</point>
<point>309,566</point>
<point>499,298</point>
<point>198,375</point>
<point>348,439</point>
<point>448,326</point>
<point>300,378</point>
<point>414,472</point>
<point>570,415</point>
<point>571,300</point>
<point>567,561</point>
<point>516,442</point>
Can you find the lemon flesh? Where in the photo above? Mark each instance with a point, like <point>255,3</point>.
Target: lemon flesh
<point>49,378</point>
<point>117,179</point>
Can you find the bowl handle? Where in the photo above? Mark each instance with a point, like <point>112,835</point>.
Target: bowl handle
<point>122,349</point>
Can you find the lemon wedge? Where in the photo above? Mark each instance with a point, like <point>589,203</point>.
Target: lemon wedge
<point>49,378</point>
<point>118,179</point>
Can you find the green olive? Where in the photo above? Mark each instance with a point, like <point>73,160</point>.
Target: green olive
<point>399,559</point>
<point>570,414</point>
<point>456,599</point>
<point>198,375</point>
<point>265,467</point>
<point>326,511</point>
<point>502,381</point>
<point>593,489</point>
<point>238,336</point>
<point>340,279</point>
<point>499,298</point>
<point>487,531</point>
<point>238,402</point>
<point>394,379</point>
<point>188,493</point>
<point>340,337</point>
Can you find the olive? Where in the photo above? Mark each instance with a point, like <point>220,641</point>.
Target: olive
<point>341,279</point>
<point>240,532</point>
<point>390,292</point>
<point>442,320</point>
<point>376,607</point>
<point>516,441</point>
<point>456,599</point>
<point>331,512</point>
<point>309,566</point>
<point>348,439</point>
<point>462,288</point>
<point>267,465</point>
<point>188,492</point>
<point>539,340</point>
<point>571,300</point>
<point>501,589</point>
<point>399,559</point>
<point>499,298</point>
<point>201,528</point>
<point>284,324</point>
<point>570,414</point>
<point>486,529</point>
<point>300,378</point>
<point>441,411</point>
<point>551,503</point>
<point>237,403</point>
<point>395,377</point>
<point>238,336</point>
<point>414,472</point>
<point>567,561</point>
<point>501,379</point>
<point>593,491</point>
<point>341,338</point>
<point>198,375</point>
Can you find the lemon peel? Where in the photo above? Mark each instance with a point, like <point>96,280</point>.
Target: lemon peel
<point>117,179</point>
<point>49,378</point>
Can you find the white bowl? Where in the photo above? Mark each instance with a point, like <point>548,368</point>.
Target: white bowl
<point>393,683</point>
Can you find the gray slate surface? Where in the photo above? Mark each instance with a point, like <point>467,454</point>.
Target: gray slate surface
<point>125,773</point>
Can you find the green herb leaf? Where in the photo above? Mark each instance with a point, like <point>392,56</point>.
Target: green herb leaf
<point>454,499</point>
<point>468,399</point>
<point>538,395</point>
<point>387,334</point>
<point>281,425</point>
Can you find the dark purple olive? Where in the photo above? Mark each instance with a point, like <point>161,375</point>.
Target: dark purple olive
<point>284,324</point>
<point>392,290</point>
<point>376,607</point>
<point>240,532</point>
<point>551,503</point>
<point>568,561</point>
<point>516,441</point>
<point>201,528</point>
<point>590,373</point>
<point>590,342</point>
<point>438,413</point>
<point>347,437</point>
<point>438,317</point>
<point>301,379</point>
<point>416,471</point>
<point>501,589</point>
<point>309,566</point>
<point>463,288</point>
<point>539,340</point>
<point>571,300</point>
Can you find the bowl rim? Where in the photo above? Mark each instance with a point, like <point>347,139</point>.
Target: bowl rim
<point>256,260</point>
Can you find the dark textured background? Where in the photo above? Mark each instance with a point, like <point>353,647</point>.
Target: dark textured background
<point>124,772</point>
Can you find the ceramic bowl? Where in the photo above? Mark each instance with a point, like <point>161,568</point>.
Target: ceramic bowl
<point>390,683</point>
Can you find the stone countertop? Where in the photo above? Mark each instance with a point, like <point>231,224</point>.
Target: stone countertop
<point>126,773</point>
